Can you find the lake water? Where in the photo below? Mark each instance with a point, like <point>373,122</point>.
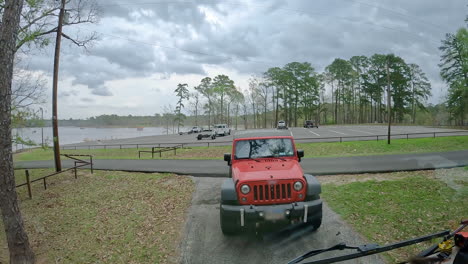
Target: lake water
<point>69,135</point>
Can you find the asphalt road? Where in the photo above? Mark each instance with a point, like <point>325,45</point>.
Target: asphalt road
<point>321,134</point>
<point>315,166</point>
<point>204,242</point>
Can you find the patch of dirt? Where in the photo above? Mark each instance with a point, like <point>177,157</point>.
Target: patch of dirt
<point>456,178</point>
<point>349,178</point>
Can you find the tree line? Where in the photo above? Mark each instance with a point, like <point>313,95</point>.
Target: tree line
<point>296,92</point>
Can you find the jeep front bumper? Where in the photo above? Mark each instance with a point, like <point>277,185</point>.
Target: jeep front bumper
<point>249,216</point>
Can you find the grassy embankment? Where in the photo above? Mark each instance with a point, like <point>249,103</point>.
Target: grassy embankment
<point>386,208</point>
<point>105,217</point>
<point>353,148</point>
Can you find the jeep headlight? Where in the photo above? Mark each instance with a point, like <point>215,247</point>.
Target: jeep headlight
<point>245,189</point>
<point>298,186</point>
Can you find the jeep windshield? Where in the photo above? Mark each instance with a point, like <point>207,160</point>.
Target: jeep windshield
<point>264,148</point>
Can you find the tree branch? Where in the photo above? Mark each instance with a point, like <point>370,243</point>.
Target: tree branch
<point>37,19</point>
<point>26,39</point>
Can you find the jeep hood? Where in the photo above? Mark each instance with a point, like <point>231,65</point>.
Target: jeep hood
<point>266,169</point>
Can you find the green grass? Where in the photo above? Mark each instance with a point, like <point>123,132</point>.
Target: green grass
<point>335,149</point>
<point>106,217</point>
<point>393,210</point>
<point>397,146</point>
<point>130,153</point>
<point>20,174</point>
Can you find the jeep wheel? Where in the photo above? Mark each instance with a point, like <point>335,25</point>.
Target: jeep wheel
<point>316,222</point>
<point>213,137</point>
<point>199,137</point>
<point>228,227</point>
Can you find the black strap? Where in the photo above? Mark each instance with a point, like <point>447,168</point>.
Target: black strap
<point>340,246</point>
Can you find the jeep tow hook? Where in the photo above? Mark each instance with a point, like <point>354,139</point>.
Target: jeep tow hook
<point>305,212</point>
<point>242,216</point>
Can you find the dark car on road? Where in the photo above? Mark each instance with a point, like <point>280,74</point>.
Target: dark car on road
<point>267,188</point>
<point>310,124</point>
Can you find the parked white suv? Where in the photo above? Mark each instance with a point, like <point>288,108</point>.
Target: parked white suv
<point>282,125</point>
<point>196,129</point>
<point>222,130</point>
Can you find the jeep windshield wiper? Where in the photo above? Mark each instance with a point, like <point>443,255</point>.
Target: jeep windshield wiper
<point>276,157</point>
<point>249,158</point>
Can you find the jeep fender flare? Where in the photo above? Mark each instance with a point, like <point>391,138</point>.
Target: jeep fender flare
<point>228,192</point>
<point>313,186</point>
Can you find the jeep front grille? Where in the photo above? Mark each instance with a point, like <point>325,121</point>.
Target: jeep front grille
<point>272,192</point>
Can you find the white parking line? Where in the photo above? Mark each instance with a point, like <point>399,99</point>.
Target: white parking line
<point>314,133</point>
<point>360,131</point>
<point>337,132</point>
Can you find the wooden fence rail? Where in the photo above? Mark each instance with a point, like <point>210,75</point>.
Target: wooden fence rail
<point>78,164</point>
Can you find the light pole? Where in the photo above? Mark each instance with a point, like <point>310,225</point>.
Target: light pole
<point>42,127</point>
<point>389,101</point>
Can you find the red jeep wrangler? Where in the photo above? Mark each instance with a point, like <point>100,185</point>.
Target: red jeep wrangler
<point>267,187</point>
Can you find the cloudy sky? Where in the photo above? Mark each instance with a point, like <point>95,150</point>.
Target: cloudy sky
<point>146,47</point>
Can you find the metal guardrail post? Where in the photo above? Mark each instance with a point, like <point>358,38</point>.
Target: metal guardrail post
<point>91,161</point>
<point>377,137</point>
<point>407,136</point>
<point>208,144</point>
<point>28,182</point>
<point>152,152</point>
<point>76,176</point>
<point>45,184</point>
<point>434,134</point>
<point>341,139</point>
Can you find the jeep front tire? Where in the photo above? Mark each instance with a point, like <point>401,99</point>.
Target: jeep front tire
<point>228,226</point>
<point>316,222</point>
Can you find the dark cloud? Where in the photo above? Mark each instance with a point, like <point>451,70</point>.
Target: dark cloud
<point>129,57</point>
<point>101,91</point>
<point>87,100</point>
<point>68,93</point>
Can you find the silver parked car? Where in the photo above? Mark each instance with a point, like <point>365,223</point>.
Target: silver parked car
<point>282,125</point>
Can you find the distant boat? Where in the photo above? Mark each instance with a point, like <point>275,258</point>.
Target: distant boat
<point>140,128</point>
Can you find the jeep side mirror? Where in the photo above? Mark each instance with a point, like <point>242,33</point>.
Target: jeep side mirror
<point>227,157</point>
<point>300,154</point>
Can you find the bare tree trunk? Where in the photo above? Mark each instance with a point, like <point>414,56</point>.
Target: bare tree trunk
<point>253,114</point>
<point>336,104</point>
<point>277,106</point>
<point>265,110</point>
<point>228,115</point>
<point>18,242</point>
<point>273,106</point>
<point>237,113</point>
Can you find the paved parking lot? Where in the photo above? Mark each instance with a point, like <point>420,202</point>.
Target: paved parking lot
<point>321,134</point>
<point>368,132</point>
